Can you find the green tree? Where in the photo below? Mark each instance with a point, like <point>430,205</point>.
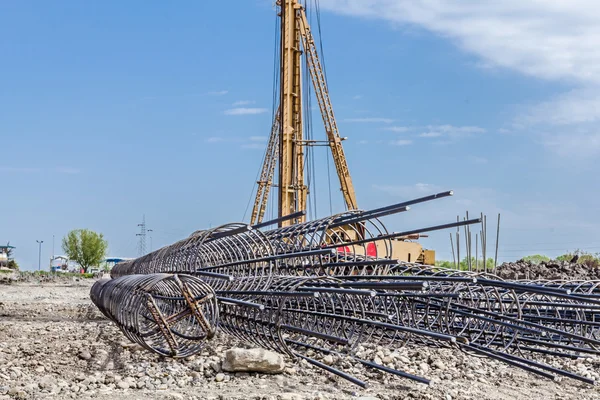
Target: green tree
<point>9,251</point>
<point>464,264</point>
<point>12,264</point>
<point>536,259</point>
<point>583,257</point>
<point>444,264</point>
<point>86,247</point>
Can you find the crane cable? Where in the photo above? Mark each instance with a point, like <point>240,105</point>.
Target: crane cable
<point>310,151</point>
<point>275,81</point>
<point>328,154</point>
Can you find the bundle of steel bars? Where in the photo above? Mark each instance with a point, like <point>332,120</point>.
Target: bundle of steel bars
<point>330,285</point>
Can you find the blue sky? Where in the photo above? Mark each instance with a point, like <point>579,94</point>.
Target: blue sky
<point>112,110</point>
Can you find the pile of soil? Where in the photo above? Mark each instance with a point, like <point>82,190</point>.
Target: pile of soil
<point>551,270</point>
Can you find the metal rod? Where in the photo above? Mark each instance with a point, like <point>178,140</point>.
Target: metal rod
<point>497,236</point>
<point>452,247</point>
<point>297,214</point>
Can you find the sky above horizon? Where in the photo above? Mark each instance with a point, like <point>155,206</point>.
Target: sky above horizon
<point>110,111</point>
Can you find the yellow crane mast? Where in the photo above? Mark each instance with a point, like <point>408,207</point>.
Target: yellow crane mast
<point>286,146</point>
<point>295,31</point>
<point>292,190</point>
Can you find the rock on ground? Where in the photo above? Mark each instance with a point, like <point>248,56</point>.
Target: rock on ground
<point>253,360</point>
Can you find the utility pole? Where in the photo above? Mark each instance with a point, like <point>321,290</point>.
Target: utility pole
<point>142,235</point>
<point>40,255</point>
<point>150,230</point>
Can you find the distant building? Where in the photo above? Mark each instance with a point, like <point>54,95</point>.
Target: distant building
<point>60,264</point>
<point>110,262</point>
<point>64,264</point>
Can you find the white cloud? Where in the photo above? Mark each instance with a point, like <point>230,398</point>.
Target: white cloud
<point>545,39</point>
<point>430,134</point>
<point>356,97</point>
<point>398,129</point>
<point>575,145</point>
<point>218,93</point>
<point>550,40</point>
<point>401,142</point>
<point>574,107</point>
<point>243,103</point>
<point>258,138</point>
<point>450,132</point>
<point>214,139</point>
<point>370,120</point>
<point>245,111</point>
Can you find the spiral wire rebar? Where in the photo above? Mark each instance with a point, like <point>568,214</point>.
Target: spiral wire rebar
<point>329,285</point>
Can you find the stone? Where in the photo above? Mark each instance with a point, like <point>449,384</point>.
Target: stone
<point>253,360</point>
<point>47,382</point>
<point>123,385</point>
<point>220,377</point>
<point>328,359</point>
<point>216,366</point>
<point>290,396</point>
<point>404,359</point>
<point>424,367</point>
<point>85,355</point>
<point>439,364</point>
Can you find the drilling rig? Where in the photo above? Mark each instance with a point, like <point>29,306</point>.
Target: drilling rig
<point>286,145</point>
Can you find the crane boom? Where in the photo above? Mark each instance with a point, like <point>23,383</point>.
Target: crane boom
<point>322,94</point>
<point>287,128</point>
<point>286,143</point>
<point>266,175</point>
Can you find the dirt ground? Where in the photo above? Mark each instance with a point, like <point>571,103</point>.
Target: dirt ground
<point>55,344</point>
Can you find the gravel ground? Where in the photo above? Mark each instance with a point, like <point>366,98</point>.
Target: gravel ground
<point>55,344</point>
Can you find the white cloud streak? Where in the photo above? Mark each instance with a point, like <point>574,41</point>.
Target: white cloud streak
<point>245,111</point>
<point>218,93</point>
<point>401,142</point>
<point>398,129</point>
<point>243,103</point>
<point>258,138</point>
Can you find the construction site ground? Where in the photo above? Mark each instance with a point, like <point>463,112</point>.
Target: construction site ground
<point>55,344</point>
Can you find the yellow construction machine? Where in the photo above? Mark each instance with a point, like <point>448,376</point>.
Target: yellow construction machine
<point>286,145</point>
